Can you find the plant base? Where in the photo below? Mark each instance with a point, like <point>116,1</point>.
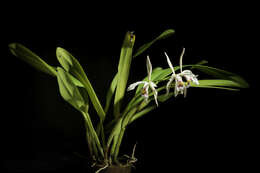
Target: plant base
<point>115,169</point>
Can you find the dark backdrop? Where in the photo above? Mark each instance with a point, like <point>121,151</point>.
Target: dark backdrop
<point>209,130</point>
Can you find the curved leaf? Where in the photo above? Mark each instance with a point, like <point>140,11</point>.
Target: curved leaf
<point>222,74</point>
<point>218,84</point>
<point>142,113</point>
<point>163,35</point>
<point>31,58</point>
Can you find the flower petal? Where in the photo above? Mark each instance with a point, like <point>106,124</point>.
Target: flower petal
<point>176,92</point>
<point>195,80</point>
<point>169,84</point>
<point>169,63</point>
<point>149,68</point>
<point>181,57</point>
<point>155,94</point>
<point>152,84</point>
<point>132,86</point>
<point>187,72</point>
<point>190,76</point>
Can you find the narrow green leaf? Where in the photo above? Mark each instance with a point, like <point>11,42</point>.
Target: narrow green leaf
<point>222,74</point>
<point>163,35</point>
<point>123,70</point>
<point>118,142</point>
<point>35,61</point>
<point>93,133</point>
<point>214,87</point>
<point>202,62</point>
<point>164,97</point>
<point>114,135</point>
<point>219,82</point>
<point>71,64</point>
<point>142,113</point>
<point>111,92</point>
<point>91,143</point>
<point>31,58</point>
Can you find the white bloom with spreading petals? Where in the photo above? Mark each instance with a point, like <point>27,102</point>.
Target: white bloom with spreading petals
<point>147,84</point>
<point>180,86</point>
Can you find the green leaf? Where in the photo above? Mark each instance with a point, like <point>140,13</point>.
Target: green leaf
<point>142,113</point>
<point>114,135</point>
<point>119,138</point>
<point>123,70</point>
<point>163,35</point>
<point>222,74</point>
<point>93,133</point>
<point>111,92</point>
<point>35,61</point>
<point>31,58</point>
<point>78,98</point>
<point>75,81</point>
<point>202,62</point>
<point>71,65</point>
<point>68,90</point>
<point>219,82</point>
<point>164,97</point>
<point>214,87</point>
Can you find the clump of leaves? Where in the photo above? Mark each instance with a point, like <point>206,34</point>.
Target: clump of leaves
<point>105,137</point>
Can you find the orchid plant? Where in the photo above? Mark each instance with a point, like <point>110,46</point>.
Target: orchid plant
<point>104,138</point>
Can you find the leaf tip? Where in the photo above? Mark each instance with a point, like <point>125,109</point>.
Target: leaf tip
<point>12,47</point>
<point>64,58</point>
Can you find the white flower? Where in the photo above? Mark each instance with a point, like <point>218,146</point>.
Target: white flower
<point>180,86</point>
<point>147,84</point>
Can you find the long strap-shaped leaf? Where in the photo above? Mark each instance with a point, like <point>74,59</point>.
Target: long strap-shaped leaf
<point>71,64</point>
<point>123,70</point>
<point>142,113</point>
<point>163,35</point>
<point>111,92</point>
<point>93,132</point>
<point>31,58</point>
<point>222,74</point>
<point>35,61</point>
<point>122,131</point>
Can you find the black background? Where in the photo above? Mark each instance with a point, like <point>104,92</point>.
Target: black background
<point>207,131</point>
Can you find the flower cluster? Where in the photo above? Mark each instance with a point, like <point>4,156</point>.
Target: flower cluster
<point>180,86</point>
<point>147,84</point>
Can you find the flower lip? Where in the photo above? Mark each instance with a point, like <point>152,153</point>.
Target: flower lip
<point>190,77</point>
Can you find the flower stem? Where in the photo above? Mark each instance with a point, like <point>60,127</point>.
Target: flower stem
<point>122,131</point>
